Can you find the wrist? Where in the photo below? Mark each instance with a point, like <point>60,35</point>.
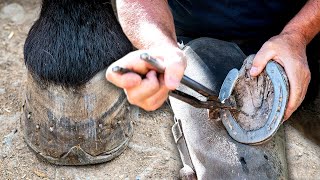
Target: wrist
<point>296,35</point>
<point>169,54</point>
<point>169,44</point>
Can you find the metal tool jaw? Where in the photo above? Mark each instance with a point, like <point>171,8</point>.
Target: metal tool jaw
<point>212,100</point>
<point>228,85</point>
<point>275,117</point>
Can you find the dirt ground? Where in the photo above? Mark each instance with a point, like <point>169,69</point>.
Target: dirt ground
<point>151,153</point>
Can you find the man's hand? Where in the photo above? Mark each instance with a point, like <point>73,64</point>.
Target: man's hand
<point>152,91</point>
<point>148,28</point>
<point>289,50</point>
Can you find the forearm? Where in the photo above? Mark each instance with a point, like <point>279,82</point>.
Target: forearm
<point>147,23</point>
<point>306,24</point>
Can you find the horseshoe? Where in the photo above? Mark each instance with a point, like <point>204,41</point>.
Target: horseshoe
<point>275,117</point>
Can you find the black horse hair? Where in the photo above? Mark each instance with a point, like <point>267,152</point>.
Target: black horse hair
<point>73,40</point>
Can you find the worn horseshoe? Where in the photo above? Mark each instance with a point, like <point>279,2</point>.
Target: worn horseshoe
<point>275,116</point>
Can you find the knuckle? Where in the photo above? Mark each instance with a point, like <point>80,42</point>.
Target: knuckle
<point>269,44</point>
<point>270,47</point>
<point>273,51</point>
<point>131,101</point>
<point>132,98</point>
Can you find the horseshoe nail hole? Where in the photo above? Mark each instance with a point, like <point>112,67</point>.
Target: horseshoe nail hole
<point>29,115</point>
<point>242,160</point>
<point>266,157</point>
<point>244,165</point>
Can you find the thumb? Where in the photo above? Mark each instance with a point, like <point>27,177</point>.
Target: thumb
<point>260,61</point>
<point>174,70</point>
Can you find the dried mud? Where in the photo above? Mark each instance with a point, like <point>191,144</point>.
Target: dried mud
<point>254,97</point>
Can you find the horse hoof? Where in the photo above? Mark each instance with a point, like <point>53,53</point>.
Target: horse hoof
<point>77,126</point>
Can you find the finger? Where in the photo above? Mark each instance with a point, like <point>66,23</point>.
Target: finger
<point>295,91</point>
<point>159,98</point>
<point>299,83</point>
<point>133,62</point>
<point>174,71</point>
<point>288,113</point>
<point>295,95</point>
<point>148,87</point>
<point>127,80</point>
<point>261,59</point>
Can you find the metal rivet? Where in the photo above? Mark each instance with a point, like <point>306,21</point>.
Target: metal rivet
<point>51,129</point>
<point>37,126</point>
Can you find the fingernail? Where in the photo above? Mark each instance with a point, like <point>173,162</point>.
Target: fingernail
<point>253,70</point>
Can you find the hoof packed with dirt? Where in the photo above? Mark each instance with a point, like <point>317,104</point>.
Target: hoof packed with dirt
<point>254,97</point>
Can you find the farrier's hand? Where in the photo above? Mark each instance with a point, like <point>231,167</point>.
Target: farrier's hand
<point>289,51</point>
<point>152,91</point>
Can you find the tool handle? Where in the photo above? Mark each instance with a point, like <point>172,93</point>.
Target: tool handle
<point>121,70</point>
<point>185,79</point>
<point>198,87</point>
